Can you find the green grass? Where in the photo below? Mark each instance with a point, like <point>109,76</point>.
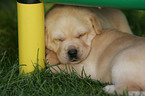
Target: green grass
<point>42,82</point>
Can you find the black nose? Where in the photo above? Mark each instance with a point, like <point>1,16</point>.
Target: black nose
<point>72,53</point>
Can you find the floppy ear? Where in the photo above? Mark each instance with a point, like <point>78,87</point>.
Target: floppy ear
<point>96,24</point>
<point>49,42</point>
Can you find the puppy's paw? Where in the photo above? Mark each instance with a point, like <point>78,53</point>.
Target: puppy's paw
<point>51,58</point>
<point>109,89</point>
<point>136,93</point>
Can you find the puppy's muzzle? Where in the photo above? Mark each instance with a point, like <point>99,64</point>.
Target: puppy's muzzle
<point>73,55</point>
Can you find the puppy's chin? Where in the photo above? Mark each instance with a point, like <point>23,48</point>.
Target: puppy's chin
<point>75,62</point>
<point>70,61</point>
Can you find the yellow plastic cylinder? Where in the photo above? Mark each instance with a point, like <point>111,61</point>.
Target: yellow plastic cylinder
<point>31,36</point>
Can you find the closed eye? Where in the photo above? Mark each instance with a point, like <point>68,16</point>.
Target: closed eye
<point>81,35</point>
<point>59,39</point>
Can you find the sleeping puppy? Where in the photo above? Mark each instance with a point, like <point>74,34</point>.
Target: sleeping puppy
<point>79,20</point>
<point>107,55</point>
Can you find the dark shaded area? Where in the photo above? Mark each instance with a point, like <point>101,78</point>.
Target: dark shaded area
<point>8,25</point>
<point>28,1</point>
<point>136,20</point>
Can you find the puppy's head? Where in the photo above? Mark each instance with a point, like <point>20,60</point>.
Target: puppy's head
<point>70,31</point>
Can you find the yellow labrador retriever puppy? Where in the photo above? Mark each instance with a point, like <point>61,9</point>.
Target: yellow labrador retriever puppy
<point>79,19</point>
<point>78,38</point>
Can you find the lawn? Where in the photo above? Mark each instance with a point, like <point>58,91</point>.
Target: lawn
<point>42,82</point>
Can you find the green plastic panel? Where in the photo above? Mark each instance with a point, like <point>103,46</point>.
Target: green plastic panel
<point>129,4</point>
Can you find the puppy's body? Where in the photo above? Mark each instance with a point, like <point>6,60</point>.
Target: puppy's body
<point>118,58</point>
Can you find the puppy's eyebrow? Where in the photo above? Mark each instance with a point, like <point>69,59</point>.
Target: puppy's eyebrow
<point>59,36</point>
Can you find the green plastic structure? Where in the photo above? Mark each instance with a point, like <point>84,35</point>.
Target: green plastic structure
<point>129,4</point>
